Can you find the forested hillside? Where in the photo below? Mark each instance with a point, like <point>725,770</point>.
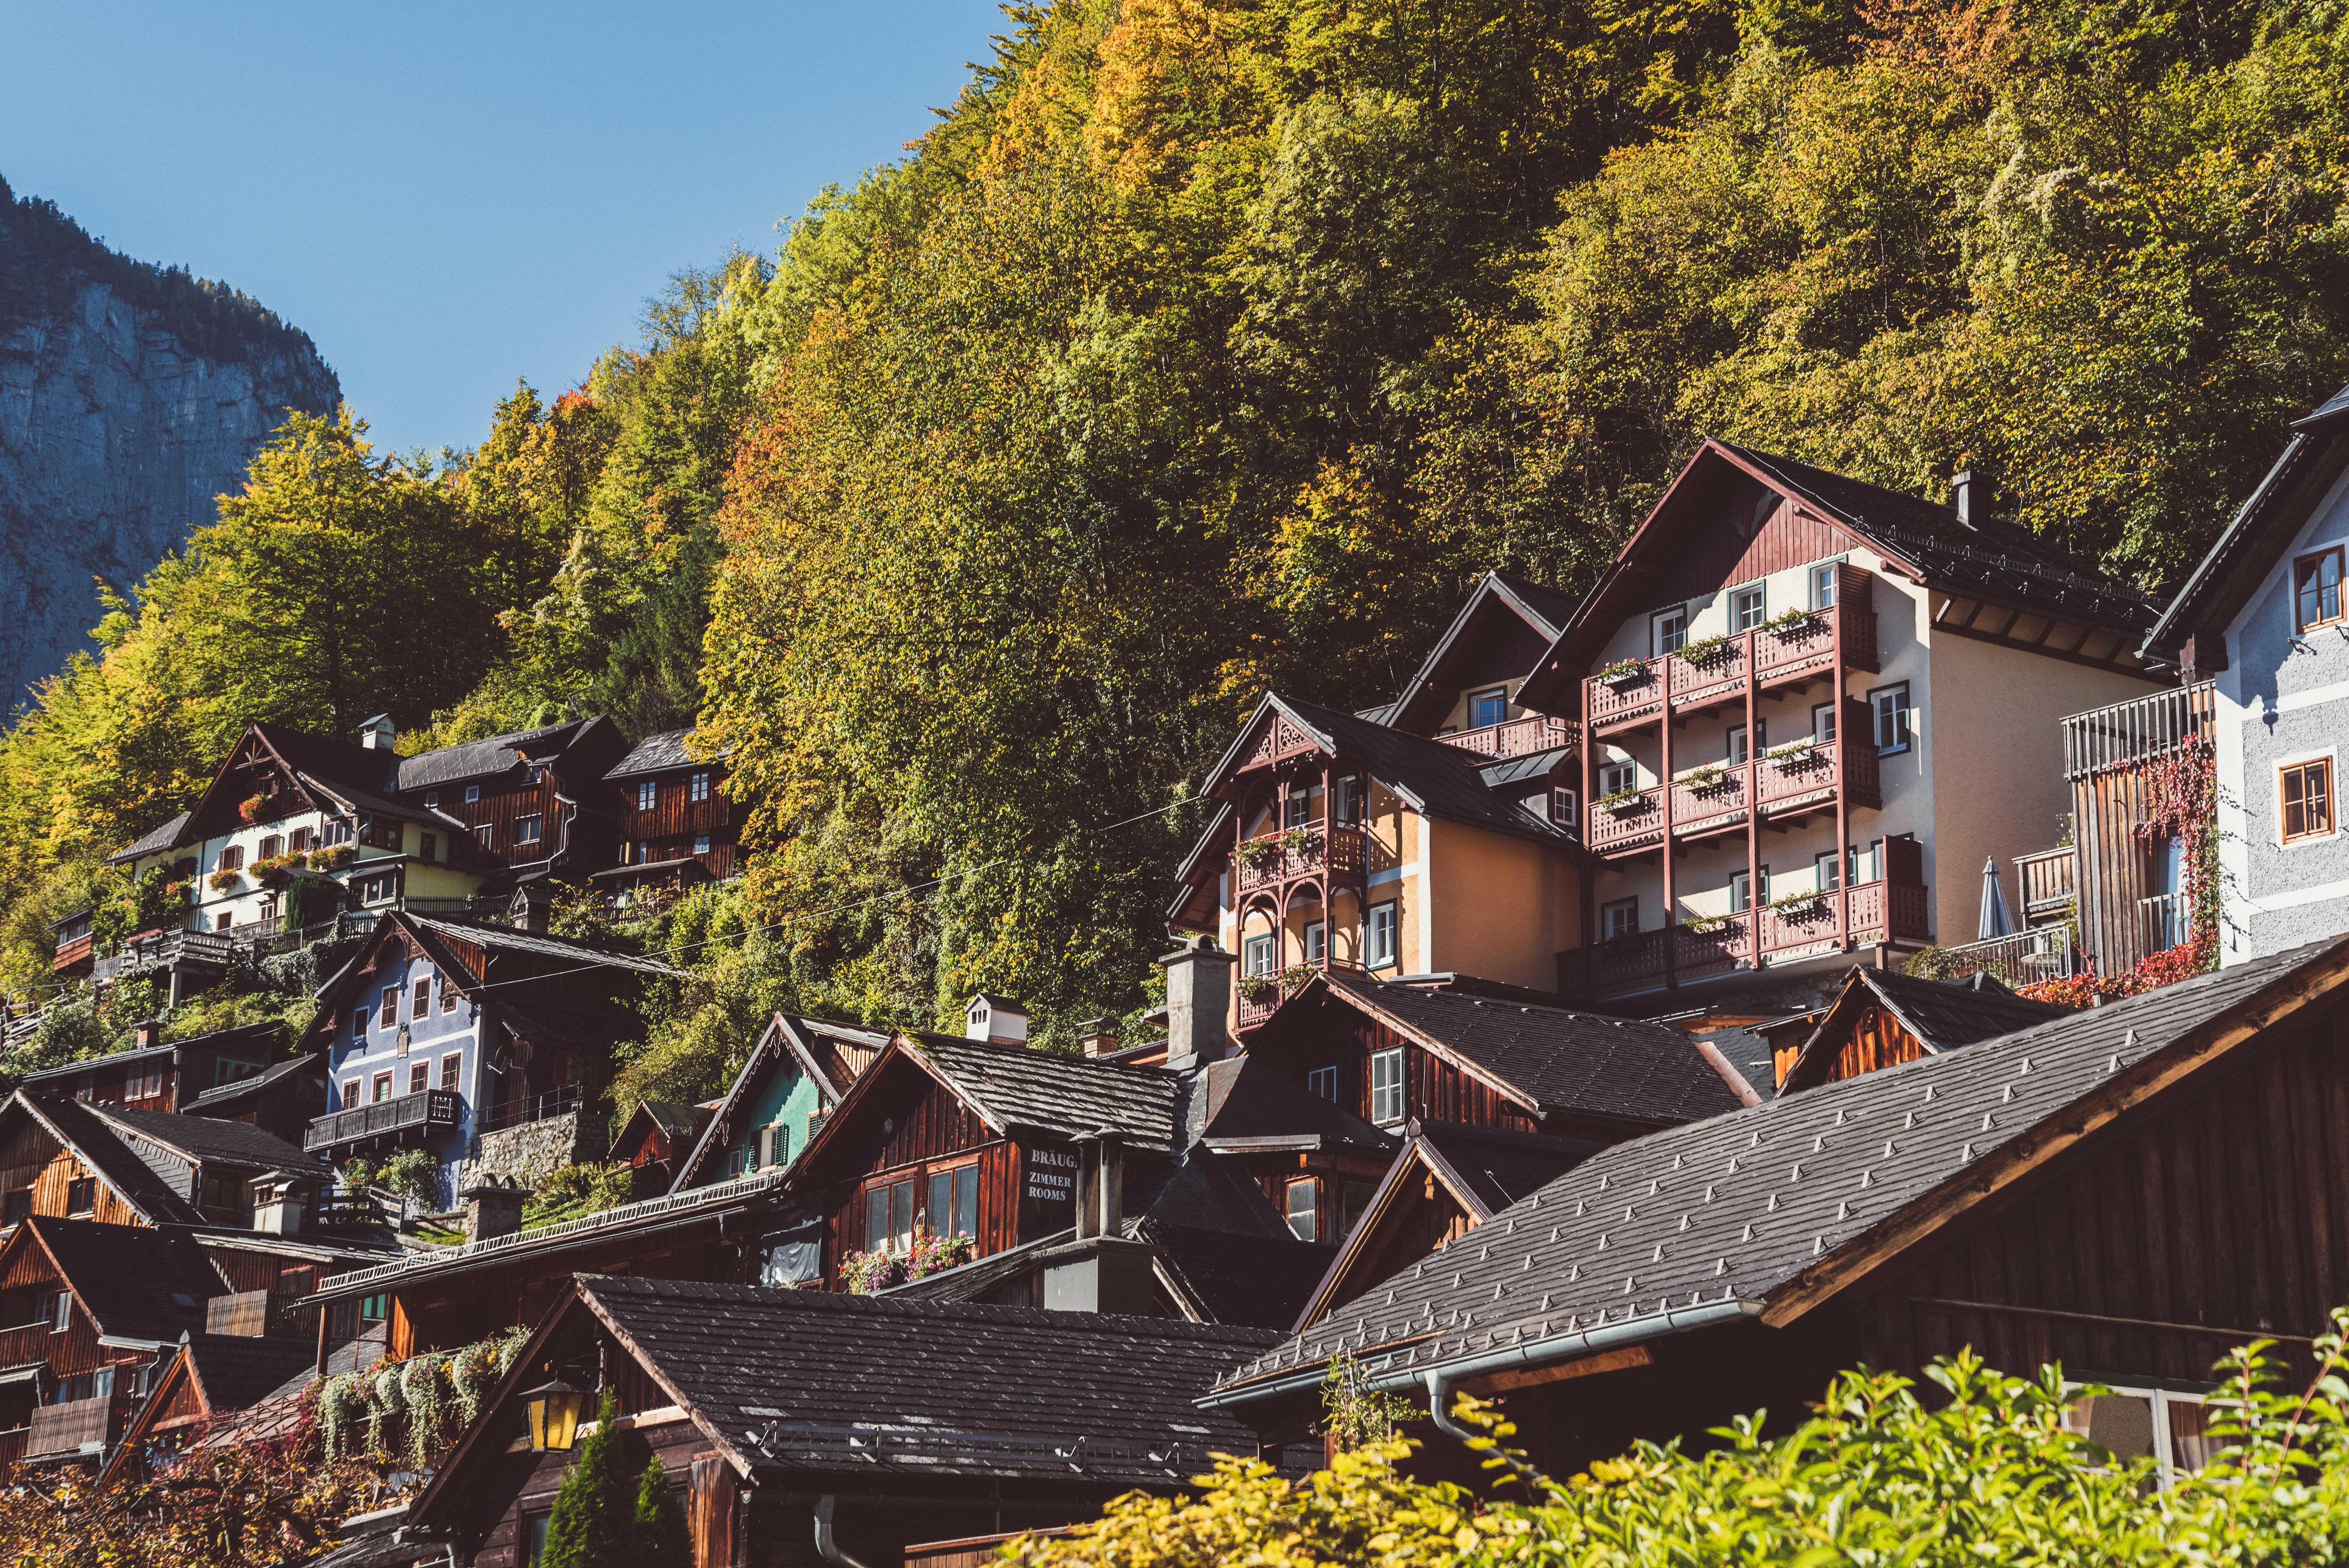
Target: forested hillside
<point>1205,347</point>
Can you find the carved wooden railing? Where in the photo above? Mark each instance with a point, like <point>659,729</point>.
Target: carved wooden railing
<point>1340,850</point>
<point>1790,653</point>
<point>1878,911</point>
<point>1516,738</point>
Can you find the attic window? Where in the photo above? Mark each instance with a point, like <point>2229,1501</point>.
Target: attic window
<point>81,1195</point>
<point>2316,589</point>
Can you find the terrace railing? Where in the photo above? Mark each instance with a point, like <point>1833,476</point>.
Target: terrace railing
<point>2128,732</point>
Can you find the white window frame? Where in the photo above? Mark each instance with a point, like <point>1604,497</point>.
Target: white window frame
<point>1292,1214</point>
<point>701,843</point>
<point>1348,807</point>
<point>472,794</point>
<point>1322,1081</point>
<point>1316,941</point>
<point>1607,912</point>
<point>1614,778</point>
<point>1739,753</point>
<point>1822,586</point>
<point>1738,607</point>
<point>527,829</point>
<point>1668,630</point>
<point>1738,879</point>
<point>1823,723</point>
<point>1904,718</point>
<point>2165,1458</point>
<point>647,794</point>
<point>1381,941</point>
<point>1387,1095</point>
<point>1260,953</point>
<point>1500,694</point>
<point>1566,810</point>
<point>699,788</point>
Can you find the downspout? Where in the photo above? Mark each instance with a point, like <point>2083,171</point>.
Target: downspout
<point>825,1546</point>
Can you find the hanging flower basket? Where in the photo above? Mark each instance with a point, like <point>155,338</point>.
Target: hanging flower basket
<point>1623,672</point>
<point>249,811</point>
<point>224,882</point>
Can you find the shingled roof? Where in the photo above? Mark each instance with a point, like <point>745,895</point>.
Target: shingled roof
<point>134,1281</point>
<point>1073,1097</point>
<point>1723,1218</point>
<point>1552,1058</point>
<point>480,758</point>
<point>1942,1015</point>
<point>77,1127</point>
<point>504,938</point>
<point>656,754</point>
<point>799,1380</point>
<point>206,1138</point>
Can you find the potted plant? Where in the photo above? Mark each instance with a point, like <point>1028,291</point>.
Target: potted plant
<point>1623,672</point>
<point>1253,853</point>
<point>1786,623</point>
<point>1623,803</point>
<point>250,809</point>
<point>1259,987</point>
<point>1799,906</point>
<point>1706,650</point>
<point>224,882</point>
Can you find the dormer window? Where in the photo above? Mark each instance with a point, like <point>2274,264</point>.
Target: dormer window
<point>1488,707</point>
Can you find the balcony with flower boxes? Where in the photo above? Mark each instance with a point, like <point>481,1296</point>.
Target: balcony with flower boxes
<point>1785,784</point>
<point>1711,672</point>
<point>1271,859</point>
<point>1807,925</point>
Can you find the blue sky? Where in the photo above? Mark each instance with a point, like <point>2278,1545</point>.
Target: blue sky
<point>447,197</point>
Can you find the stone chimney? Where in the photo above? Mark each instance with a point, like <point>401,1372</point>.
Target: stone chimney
<point>1198,999</point>
<point>1098,1036</point>
<point>278,1202</point>
<point>996,1019</point>
<point>376,734</point>
<point>1964,499</point>
<point>147,1032</point>
<point>491,1210</point>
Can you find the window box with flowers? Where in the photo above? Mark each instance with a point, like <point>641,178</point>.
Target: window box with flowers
<point>249,810</point>
<point>1301,841</point>
<point>1786,623</point>
<point>1707,780</point>
<point>1624,803</point>
<point>1622,673</point>
<point>1800,907</point>
<point>869,1271</point>
<point>332,858</point>
<point>1706,650</point>
<point>1254,854</point>
<point>1792,753</point>
<point>1704,925</point>
<point>225,882</point>
<point>1260,988</point>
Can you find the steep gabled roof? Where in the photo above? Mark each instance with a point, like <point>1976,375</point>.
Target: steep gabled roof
<point>235,1092</point>
<point>109,1159</point>
<point>1772,1211</point>
<point>659,753</point>
<point>135,1281</point>
<point>502,938</point>
<point>1942,1015</point>
<point>154,841</point>
<point>1243,1104</point>
<point>1257,1281</point>
<point>207,1139</point>
<point>1548,1059</point>
<point>784,1041</point>
<point>1073,1097</point>
<point>493,755</point>
<point>1502,608</point>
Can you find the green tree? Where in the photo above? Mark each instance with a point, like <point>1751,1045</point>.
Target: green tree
<point>594,1522</point>
<point>663,1538</point>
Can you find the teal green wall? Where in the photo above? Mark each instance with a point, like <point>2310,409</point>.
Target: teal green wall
<point>788,1095</point>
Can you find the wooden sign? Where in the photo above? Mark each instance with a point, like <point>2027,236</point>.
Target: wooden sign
<point>1048,1190</point>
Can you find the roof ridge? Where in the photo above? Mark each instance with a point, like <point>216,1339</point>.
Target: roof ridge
<point>895,1305</point>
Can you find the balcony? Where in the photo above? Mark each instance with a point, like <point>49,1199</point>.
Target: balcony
<point>1790,932</point>
<point>409,1118</point>
<point>2018,958</point>
<point>1783,785</point>
<point>2107,739</point>
<point>2045,880</point>
<point>73,953</point>
<point>1251,1011</point>
<point>155,950</point>
<point>521,1112</point>
<point>1516,738</point>
<point>1763,657</point>
<point>1270,858</point>
<point>78,1428</point>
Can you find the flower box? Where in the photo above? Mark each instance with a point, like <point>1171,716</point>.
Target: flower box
<point>1623,672</point>
<point>1786,623</point>
<point>1624,802</point>
<point>1706,779</point>
<point>1707,650</point>
<point>225,882</point>
<point>1793,751</point>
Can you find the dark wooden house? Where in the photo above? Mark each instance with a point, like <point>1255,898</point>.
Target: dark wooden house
<point>535,799</point>
<point>895,1422</point>
<point>2050,1196</point>
<point>1882,1020</point>
<point>656,1134</point>
<point>158,1075</point>
<point>676,825</point>
<point>210,1381</point>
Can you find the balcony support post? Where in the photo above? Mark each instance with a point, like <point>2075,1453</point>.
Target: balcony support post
<point>1328,853</point>
<point>1844,743</point>
<point>1754,895</point>
<point>1664,766</point>
<point>1588,812</point>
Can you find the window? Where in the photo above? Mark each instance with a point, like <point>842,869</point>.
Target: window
<point>1823,587</point>
<point>1317,941</point>
<point>1323,1081</point>
<point>375,1308</point>
<point>1741,889</point>
<point>534,772</point>
<point>954,1203</point>
<point>1823,723</point>
<point>1300,1208</point>
<point>428,848</point>
<point>419,1077</point>
<point>1299,809</point>
<point>889,1217</point>
<point>1256,957</point>
<point>472,794</point>
<point>382,888</point>
<point>61,1310</point>
<point>701,843</point>
<point>299,840</point>
<point>534,1531</point>
<point>1745,609</point>
<point>1566,810</point>
<point>648,795</point>
<point>1488,707</point>
<point>268,909</point>
<point>699,787</point>
<point>526,831</point>
<point>2137,1423</point>
<point>1620,918</point>
<point>1378,941</point>
<point>432,799</point>
<point>81,1195</point>
<point>1889,704</point>
<point>227,1069</point>
<point>223,922</point>
<point>1738,751</point>
<point>1672,631</point>
<point>350,1092</point>
<point>487,834</point>
<point>2316,588</point>
<point>1615,778</point>
<point>453,1068</point>
<point>382,1088</point>
<point>231,858</point>
<point>1350,802</point>
<point>774,1145</point>
<point>419,1004</point>
<point>388,1007</point>
<point>2308,800</point>
<point>448,996</point>
<point>338,832</point>
<point>16,1206</point>
<point>1386,1085</point>
<point>1823,871</point>
<point>271,846</point>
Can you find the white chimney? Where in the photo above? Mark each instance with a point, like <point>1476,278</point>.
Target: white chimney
<point>376,734</point>
<point>1963,487</point>
<point>996,1018</point>
<point>278,1199</point>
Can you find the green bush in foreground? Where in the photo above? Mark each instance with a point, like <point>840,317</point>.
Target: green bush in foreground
<point>1875,1477</point>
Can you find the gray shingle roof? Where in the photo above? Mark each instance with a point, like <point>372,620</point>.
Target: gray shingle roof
<point>134,1281</point>
<point>1518,769</point>
<point>206,1137</point>
<point>238,1371</point>
<point>1764,1194</point>
<point>153,839</point>
<point>1240,1097</point>
<point>656,754</point>
<point>1942,1014</point>
<point>1440,779</point>
<point>1497,1169</point>
<point>104,1150</point>
<point>479,758</point>
<point>1071,1096</point>
<point>505,938</point>
<point>931,1388</point>
<point>1560,1059</point>
<point>229,1093</point>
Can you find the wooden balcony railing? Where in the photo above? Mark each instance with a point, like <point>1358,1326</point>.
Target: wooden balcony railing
<point>413,1114</point>
<point>1778,786</point>
<point>1878,911</point>
<point>75,1426</point>
<point>12,1448</point>
<point>1251,1010</point>
<point>2045,880</point>
<point>1339,851</point>
<point>72,953</point>
<point>2167,921</point>
<point>2018,958</point>
<point>2147,727</point>
<point>166,950</point>
<point>1516,738</point>
<point>1775,657</point>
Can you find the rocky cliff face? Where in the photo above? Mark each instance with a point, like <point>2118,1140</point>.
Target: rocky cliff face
<point>130,398</point>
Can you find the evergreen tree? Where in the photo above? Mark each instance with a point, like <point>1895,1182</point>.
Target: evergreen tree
<point>662,1539</point>
<point>593,1524</point>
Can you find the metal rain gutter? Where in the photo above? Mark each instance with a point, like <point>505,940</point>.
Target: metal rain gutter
<point>1530,1353</point>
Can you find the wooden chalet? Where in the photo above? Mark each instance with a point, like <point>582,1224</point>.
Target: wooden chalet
<point>204,1388</point>
<point>240,1074</point>
<point>781,1096</point>
<point>656,1134</point>
<point>2053,1195</point>
<point>1829,702</point>
<point>1882,1019</point>
<point>534,798</point>
<point>1445,1181</point>
<point>893,1422</point>
<point>676,824</point>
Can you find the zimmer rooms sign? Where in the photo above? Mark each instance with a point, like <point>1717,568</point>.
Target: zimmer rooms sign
<point>1048,1191</point>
